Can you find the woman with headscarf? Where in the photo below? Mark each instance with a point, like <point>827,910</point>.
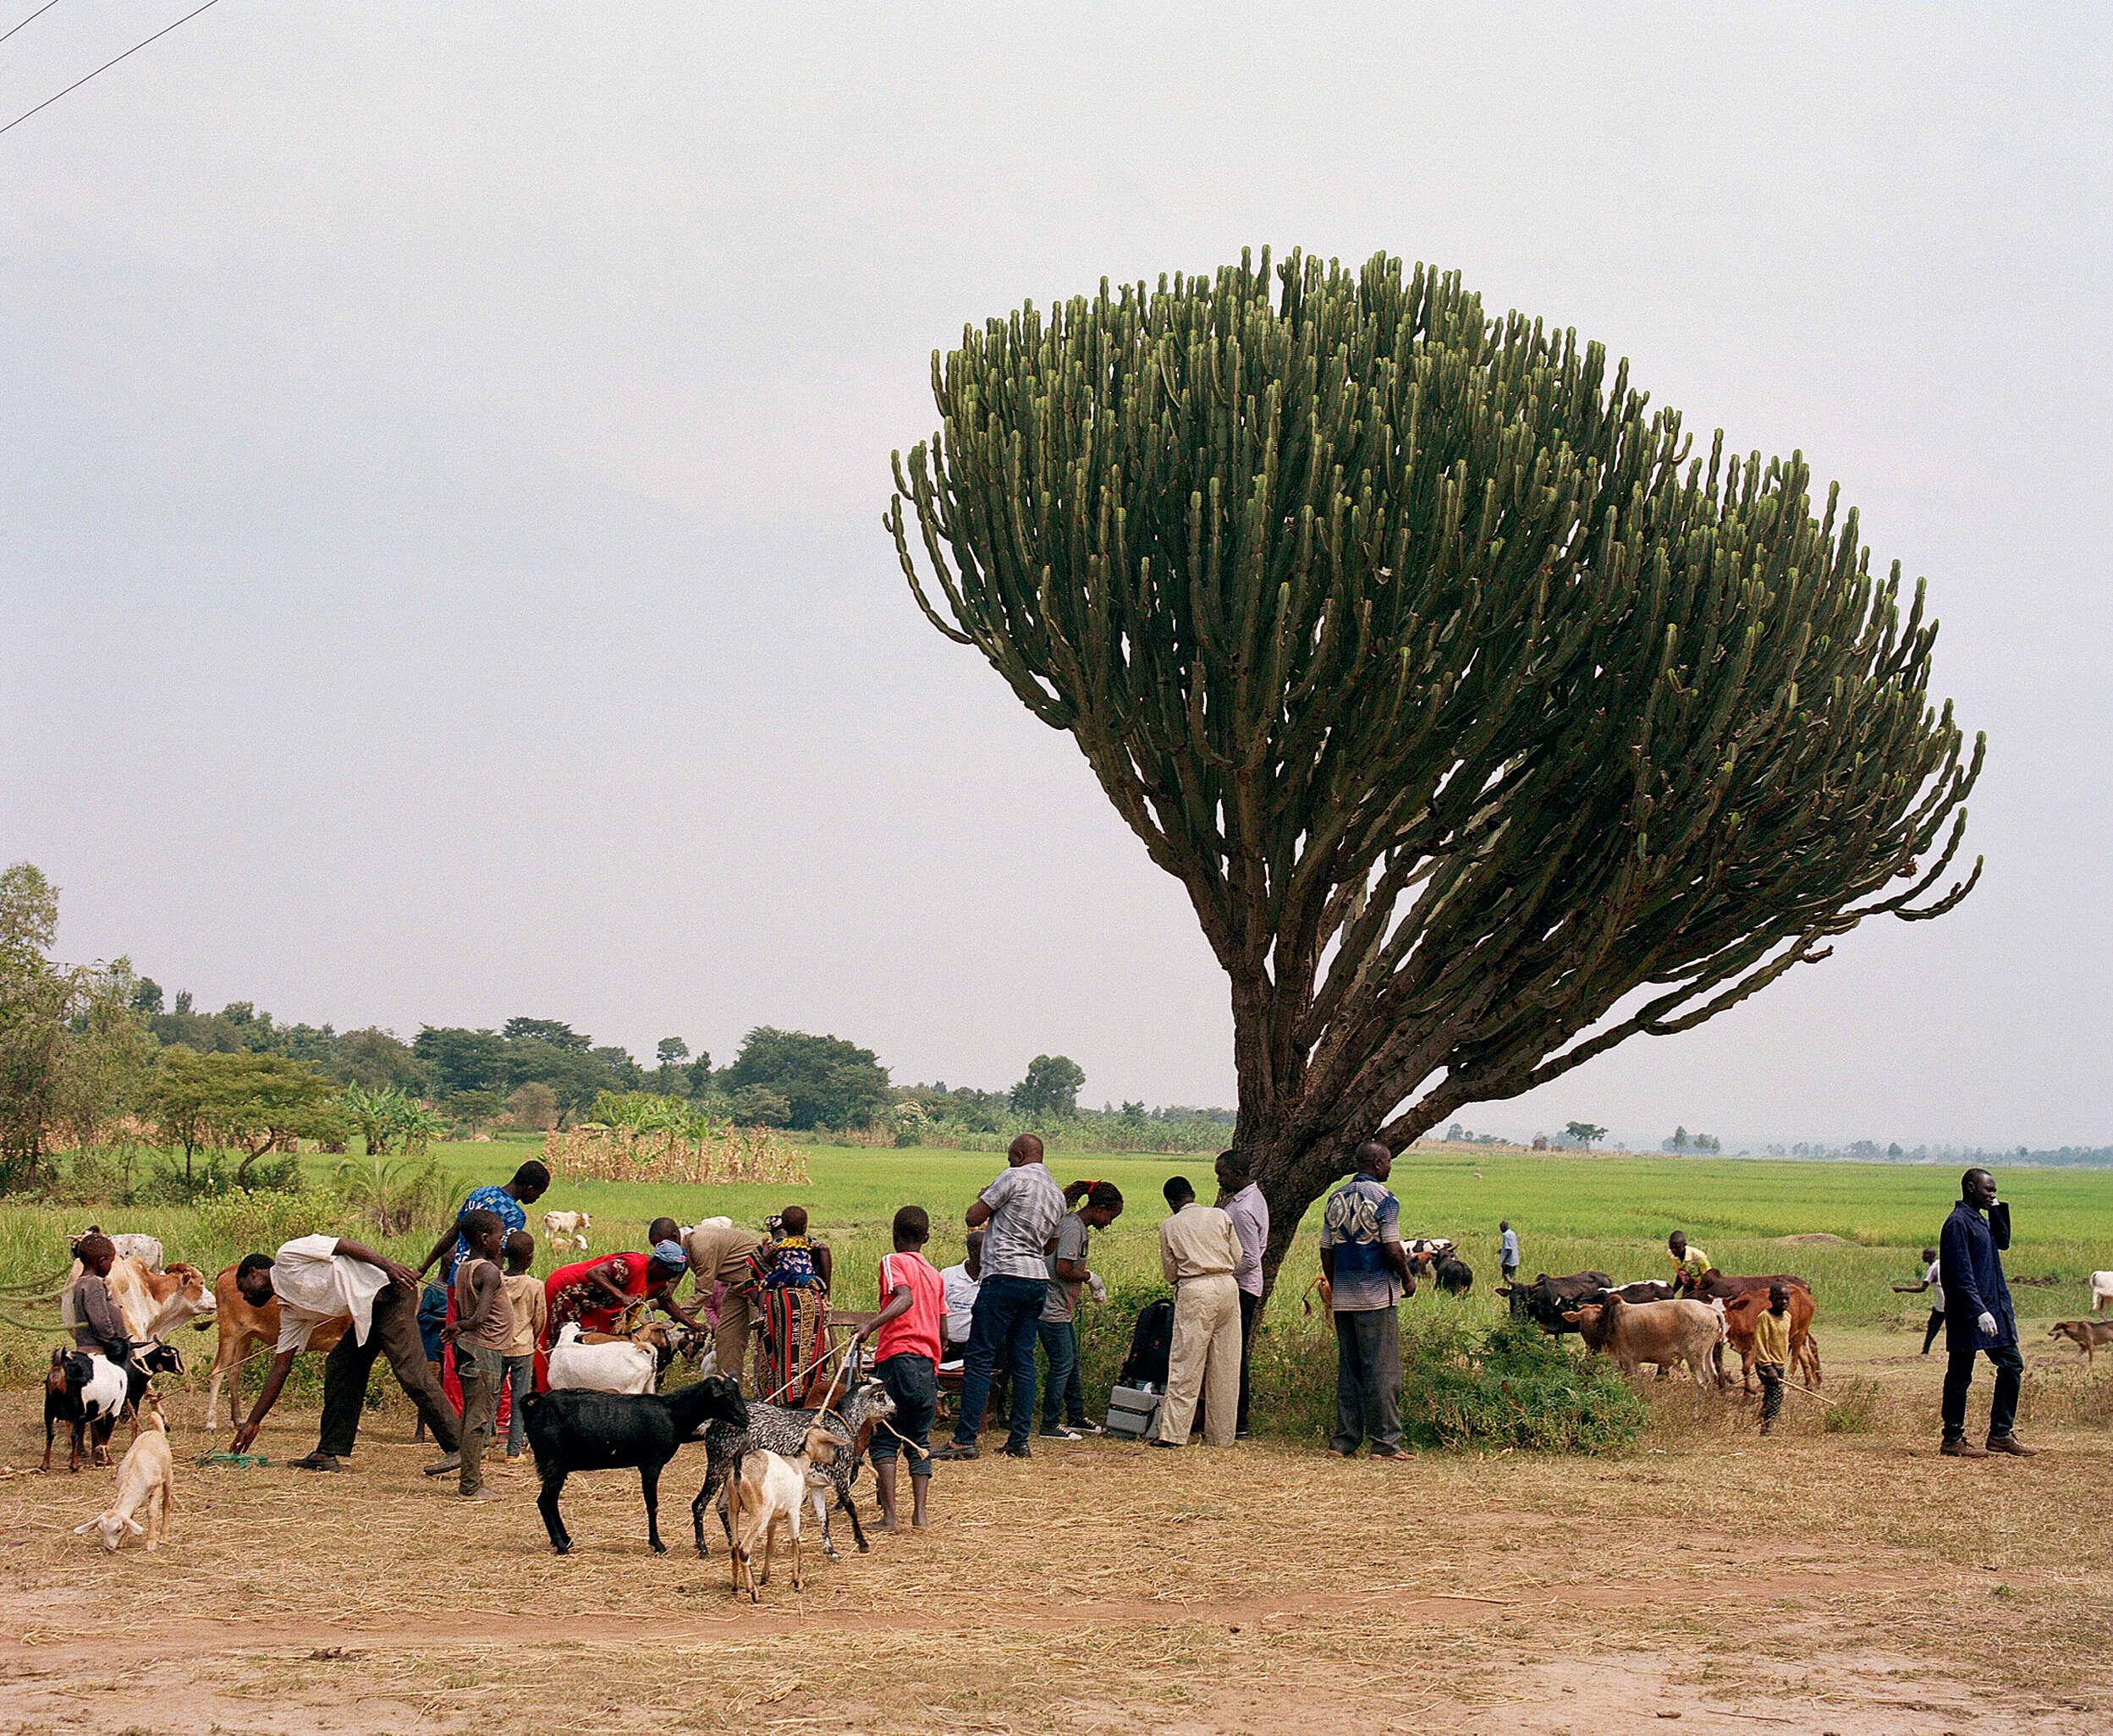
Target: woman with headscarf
<point>602,1294</point>
<point>791,1280</point>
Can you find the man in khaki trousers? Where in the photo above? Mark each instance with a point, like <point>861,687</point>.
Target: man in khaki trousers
<point>1198,1250</point>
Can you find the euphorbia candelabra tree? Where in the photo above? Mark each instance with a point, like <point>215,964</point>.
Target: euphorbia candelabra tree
<point>1483,728</point>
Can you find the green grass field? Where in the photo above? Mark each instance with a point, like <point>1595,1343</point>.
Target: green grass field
<point>1572,1212</point>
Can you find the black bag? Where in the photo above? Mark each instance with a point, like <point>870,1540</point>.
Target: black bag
<point>1151,1346</point>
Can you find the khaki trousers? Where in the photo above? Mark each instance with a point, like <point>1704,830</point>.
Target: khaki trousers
<point>1204,1361</point>
<point>729,1340</point>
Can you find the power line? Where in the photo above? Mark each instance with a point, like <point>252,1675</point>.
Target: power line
<point>107,64</point>
<point>33,17</point>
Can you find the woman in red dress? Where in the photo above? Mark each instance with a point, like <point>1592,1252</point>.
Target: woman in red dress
<point>601,1293</point>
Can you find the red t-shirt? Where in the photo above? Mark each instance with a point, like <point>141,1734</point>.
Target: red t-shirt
<point>920,1330</point>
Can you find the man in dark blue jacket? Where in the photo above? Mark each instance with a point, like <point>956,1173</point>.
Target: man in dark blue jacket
<point>1978,1316</point>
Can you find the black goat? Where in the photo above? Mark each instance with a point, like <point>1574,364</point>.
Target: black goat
<point>88,1392</point>
<point>580,1431</point>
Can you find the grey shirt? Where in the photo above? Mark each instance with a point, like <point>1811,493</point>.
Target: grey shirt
<point>1025,1206</point>
<point>1072,1237</point>
<point>1250,1213</point>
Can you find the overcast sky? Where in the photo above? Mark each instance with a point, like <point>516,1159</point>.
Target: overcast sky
<point>441,573</point>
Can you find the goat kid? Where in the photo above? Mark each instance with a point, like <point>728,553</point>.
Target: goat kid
<point>146,1477</point>
<point>780,1429</point>
<point>766,1496</point>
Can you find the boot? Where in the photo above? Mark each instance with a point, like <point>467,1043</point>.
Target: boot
<point>2010,1444</point>
<point>1964,1449</point>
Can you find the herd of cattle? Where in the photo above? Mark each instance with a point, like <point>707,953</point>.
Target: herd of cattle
<point>1669,1325</point>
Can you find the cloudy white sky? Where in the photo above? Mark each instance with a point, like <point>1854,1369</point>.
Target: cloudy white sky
<point>440,568</point>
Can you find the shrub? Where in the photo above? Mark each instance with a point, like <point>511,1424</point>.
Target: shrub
<point>213,1175</point>
<point>246,1221</point>
<point>1514,1386</point>
<point>1853,1409</point>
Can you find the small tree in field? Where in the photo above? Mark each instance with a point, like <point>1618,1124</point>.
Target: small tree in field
<point>1483,725</point>
<point>1051,1087</point>
<point>1584,1133</point>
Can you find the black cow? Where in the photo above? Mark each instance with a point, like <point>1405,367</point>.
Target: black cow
<point>1544,1300</point>
<point>1452,1274</point>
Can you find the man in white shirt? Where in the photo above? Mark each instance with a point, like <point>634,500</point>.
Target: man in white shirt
<point>962,1282</point>
<point>318,1279</point>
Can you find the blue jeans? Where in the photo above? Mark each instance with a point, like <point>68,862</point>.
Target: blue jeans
<point>1002,1329</point>
<point>520,1379</point>
<point>1062,1398</point>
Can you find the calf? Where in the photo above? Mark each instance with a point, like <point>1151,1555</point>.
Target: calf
<point>146,1476</point>
<point>580,1431</point>
<point>766,1496</point>
<point>1664,1333</point>
<point>242,1324</point>
<point>2101,1290</point>
<point>567,1229</point>
<point>89,1393</point>
<point>1452,1274</point>
<point>1740,1313</point>
<point>2086,1335</point>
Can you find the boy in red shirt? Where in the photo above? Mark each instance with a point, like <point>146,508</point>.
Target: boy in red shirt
<point>910,1333</point>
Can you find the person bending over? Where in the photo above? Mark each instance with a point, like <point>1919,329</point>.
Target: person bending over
<point>318,1280</point>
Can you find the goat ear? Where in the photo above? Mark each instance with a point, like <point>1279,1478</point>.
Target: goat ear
<point>86,1525</point>
<point>138,1529</point>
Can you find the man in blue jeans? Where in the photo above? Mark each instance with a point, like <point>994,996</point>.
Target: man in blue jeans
<point>1018,1214</point>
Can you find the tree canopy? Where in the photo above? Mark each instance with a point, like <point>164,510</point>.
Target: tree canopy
<point>1485,724</point>
<point>823,1081</point>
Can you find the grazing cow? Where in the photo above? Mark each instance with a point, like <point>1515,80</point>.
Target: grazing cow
<point>2101,1290</point>
<point>1545,1300</point>
<point>1740,1313</point>
<point>1664,1333</point>
<point>89,1393</point>
<point>567,1229</point>
<point>2086,1335</point>
<point>242,1323</point>
<point>1452,1274</point>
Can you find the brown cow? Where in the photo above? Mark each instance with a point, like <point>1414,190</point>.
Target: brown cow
<point>2086,1335</point>
<point>242,1324</point>
<point>1740,1313</point>
<point>1664,1333</point>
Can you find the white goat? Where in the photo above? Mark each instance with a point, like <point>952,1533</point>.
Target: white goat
<point>567,1227</point>
<point>146,1479</point>
<point>766,1497</point>
<point>2101,1289</point>
<point>599,1362</point>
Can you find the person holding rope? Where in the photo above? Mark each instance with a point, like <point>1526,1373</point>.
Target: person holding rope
<point>909,1333</point>
<point>320,1279</point>
<point>1772,1353</point>
<point>600,1294</point>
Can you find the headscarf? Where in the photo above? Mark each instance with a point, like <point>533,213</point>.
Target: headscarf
<point>671,1255</point>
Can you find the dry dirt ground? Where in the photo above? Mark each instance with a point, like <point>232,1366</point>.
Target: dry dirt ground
<point>1705,1582</point>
